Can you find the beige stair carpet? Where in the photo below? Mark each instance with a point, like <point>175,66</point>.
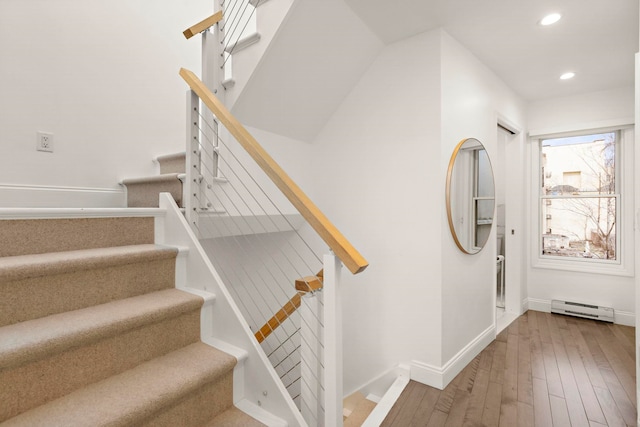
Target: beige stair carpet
<point>172,163</point>
<point>94,336</point>
<point>145,191</point>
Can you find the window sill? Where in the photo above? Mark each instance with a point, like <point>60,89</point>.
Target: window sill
<point>583,266</point>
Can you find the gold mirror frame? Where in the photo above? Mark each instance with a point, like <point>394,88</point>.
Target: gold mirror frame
<point>472,250</point>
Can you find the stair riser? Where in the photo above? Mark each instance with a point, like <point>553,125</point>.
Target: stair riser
<point>37,297</point>
<point>27,386</point>
<point>147,195</point>
<point>199,407</point>
<point>172,164</point>
<point>36,236</point>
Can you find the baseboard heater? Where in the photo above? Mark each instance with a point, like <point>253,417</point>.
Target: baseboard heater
<point>578,309</point>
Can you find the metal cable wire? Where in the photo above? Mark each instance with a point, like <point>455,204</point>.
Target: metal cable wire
<point>262,190</point>
<point>253,300</point>
<point>284,274</point>
<point>286,277</point>
<point>229,12</point>
<point>235,239</point>
<point>237,20</point>
<point>241,33</point>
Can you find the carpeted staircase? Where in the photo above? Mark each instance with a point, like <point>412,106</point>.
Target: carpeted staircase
<point>143,192</point>
<point>93,331</point>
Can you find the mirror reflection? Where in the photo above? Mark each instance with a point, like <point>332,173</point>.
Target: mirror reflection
<point>470,195</point>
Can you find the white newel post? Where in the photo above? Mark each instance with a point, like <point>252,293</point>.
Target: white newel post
<point>332,338</point>
<point>212,76</point>
<point>192,183</point>
<point>311,396</point>
<point>321,346</point>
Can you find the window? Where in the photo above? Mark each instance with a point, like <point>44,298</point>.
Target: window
<point>579,199</point>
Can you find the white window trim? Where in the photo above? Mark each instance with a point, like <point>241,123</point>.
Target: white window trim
<point>624,265</point>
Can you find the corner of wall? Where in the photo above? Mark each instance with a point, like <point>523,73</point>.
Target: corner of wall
<point>440,377</point>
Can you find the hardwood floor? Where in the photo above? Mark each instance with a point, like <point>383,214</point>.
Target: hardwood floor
<point>543,370</point>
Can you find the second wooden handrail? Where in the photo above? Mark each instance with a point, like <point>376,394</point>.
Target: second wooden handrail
<point>203,25</point>
<point>303,286</point>
<point>342,248</point>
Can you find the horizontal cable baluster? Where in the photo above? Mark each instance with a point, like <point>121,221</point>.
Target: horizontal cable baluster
<point>247,274</point>
<point>229,11</point>
<point>264,192</point>
<point>266,249</point>
<point>264,246</point>
<point>343,249</point>
<point>230,199</point>
<point>237,20</point>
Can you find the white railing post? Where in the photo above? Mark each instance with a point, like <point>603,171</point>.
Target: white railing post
<point>192,183</point>
<point>311,375</point>
<point>212,77</point>
<point>332,338</point>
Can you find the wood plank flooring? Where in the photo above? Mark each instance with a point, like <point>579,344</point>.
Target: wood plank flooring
<point>543,370</point>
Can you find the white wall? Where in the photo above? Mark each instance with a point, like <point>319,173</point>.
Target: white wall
<point>473,99</point>
<point>317,55</point>
<point>377,169</point>
<point>103,78</point>
<point>376,164</point>
<point>585,111</point>
<point>577,113</point>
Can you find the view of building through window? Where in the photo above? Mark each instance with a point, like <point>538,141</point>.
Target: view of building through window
<point>578,198</point>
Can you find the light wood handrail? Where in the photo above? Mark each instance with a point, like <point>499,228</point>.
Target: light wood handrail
<point>340,246</point>
<point>203,25</point>
<point>283,314</point>
<point>303,286</point>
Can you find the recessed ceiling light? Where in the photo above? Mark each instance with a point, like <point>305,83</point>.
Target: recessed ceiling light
<point>567,76</point>
<point>552,18</point>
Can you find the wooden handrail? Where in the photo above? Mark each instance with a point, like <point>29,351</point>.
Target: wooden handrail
<point>303,286</point>
<point>272,324</point>
<point>203,25</point>
<point>340,246</point>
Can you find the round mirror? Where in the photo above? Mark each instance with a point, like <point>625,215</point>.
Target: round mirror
<point>470,195</point>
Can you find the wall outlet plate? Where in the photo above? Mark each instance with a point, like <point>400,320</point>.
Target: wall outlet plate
<point>44,142</point>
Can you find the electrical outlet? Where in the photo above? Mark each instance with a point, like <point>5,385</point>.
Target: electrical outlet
<point>44,142</point>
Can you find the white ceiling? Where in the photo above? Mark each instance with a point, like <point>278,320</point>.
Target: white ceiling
<point>597,39</point>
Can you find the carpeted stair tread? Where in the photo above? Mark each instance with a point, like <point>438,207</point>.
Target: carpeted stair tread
<point>233,417</point>
<point>172,163</point>
<point>35,286</point>
<point>24,342</point>
<point>32,236</point>
<point>135,396</point>
<point>51,263</point>
<point>144,192</point>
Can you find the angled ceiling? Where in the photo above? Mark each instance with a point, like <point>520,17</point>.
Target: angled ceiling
<point>596,39</point>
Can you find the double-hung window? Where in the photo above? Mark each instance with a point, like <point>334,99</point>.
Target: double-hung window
<point>580,201</point>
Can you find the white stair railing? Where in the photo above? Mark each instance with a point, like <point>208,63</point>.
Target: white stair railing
<point>250,217</point>
<point>257,228</point>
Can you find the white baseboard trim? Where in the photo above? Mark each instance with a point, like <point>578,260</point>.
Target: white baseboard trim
<point>439,377</point>
<point>536,304</point>
<point>524,305</point>
<point>626,318</point>
<point>41,196</point>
